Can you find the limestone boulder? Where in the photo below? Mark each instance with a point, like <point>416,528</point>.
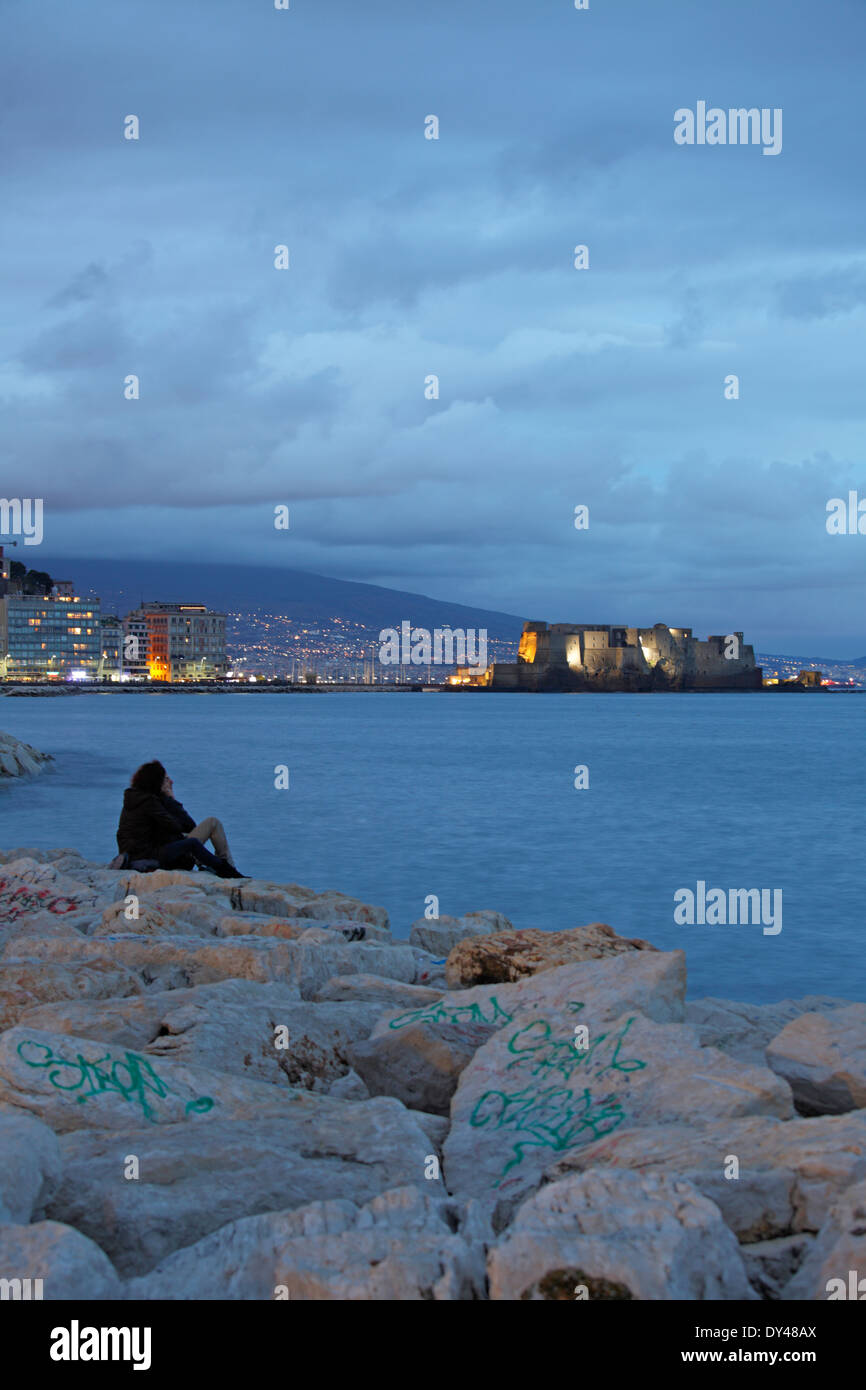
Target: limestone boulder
<point>71,1267</point>
<point>653,984</point>
<point>164,916</point>
<point>19,759</point>
<point>439,935</point>
<point>615,1235</point>
<point>194,1179</point>
<point>179,962</point>
<point>292,928</point>
<point>834,1268</point>
<point>419,1064</point>
<point>331,905</point>
<point>259,1031</point>
<point>419,1053</point>
<point>349,1087</point>
<point>256,924</point>
<point>429,970</point>
<point>15,935</point>
<point>26,983</point>
<point>78,1083</point>
<point>786,1176</point>
<point>507,956</point>
<point>257,896</point>
<point>376,989</point>
<point>30,1165</point>
<point>132,1022</point>
<point>744,1030</point>
<point>27,886</point>
<point>823,1059</point>
<point>402,1246</point>
<point>529,1095</point>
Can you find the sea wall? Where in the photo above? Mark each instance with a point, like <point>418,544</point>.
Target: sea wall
<point>218,1089</point>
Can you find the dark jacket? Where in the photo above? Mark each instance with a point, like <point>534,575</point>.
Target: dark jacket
<point>146,824</point>
<point>183,818</point>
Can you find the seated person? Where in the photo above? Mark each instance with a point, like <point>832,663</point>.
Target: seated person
<point>154,826</point>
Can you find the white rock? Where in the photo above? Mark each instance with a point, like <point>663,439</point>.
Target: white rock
<point>787,1174</point>
<point>400,1247</point>
<point>27,886</point>
<point>835,1266</point>
<point>618,1236</point>
<point>744,1030</point>
<point>26,983</point>
<point>377,989</point>
<point>17,758</point>
<point>70,1266</point>
<point>529,1095</point>
<point>823,1059</point>
<point>29,1165</point>
<point>418,1054</point>
<point>193,1179</point>
<point>77,1083</point>
<point>177,962</point>
<point>438,934</point>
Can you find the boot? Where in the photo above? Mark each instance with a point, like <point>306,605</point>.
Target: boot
<point>227,870</point>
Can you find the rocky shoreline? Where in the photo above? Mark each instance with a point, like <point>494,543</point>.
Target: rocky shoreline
<point>18,759</point>
<point>219,1090</point>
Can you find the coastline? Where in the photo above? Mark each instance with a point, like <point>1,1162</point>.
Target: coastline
<point>491,1106</point>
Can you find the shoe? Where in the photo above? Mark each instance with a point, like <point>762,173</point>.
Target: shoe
<point>227,870</point>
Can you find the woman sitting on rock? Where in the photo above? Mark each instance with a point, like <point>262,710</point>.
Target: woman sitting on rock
<point>154,827</point>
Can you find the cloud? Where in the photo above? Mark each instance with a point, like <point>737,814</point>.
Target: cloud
<point>450,258</point>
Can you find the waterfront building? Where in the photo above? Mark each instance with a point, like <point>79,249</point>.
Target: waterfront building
<point>53,636</point>
<point>183,641</point>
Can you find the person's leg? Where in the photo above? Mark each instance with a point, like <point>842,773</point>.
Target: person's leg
<point>190,848</point>
<point>211,828</point>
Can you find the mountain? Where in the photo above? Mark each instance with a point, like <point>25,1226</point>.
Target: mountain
<point>123,584</point>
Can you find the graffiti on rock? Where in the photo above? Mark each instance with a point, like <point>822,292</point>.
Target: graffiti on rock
<point>19,898</point>
<point>441,1012</point>
<point>546,1110</point>
<point>130,1076</point>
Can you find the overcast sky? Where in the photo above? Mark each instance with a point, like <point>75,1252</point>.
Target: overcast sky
<point>454,256</point>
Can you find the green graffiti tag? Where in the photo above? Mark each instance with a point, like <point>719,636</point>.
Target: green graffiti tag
<point>555,1116</point>
<point>131,1076</point>
<point>440,1012</point>
<point>536,1046</point>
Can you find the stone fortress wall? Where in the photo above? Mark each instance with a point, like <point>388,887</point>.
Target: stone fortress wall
<point>600,656</point>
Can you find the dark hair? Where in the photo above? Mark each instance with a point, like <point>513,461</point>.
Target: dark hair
<point>149,777</point>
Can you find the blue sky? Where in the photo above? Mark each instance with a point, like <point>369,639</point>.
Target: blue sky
<point>455,257</point>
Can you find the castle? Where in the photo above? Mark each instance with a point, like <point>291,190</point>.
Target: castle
<point>593,656</point>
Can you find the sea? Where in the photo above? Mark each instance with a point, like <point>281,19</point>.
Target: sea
<point>556,809</point>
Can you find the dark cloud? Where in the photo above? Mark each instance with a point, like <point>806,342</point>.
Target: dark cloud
<point>822,296</point>
<point>412,258</point>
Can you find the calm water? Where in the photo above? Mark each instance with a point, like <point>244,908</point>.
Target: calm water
<point>472,797</point>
